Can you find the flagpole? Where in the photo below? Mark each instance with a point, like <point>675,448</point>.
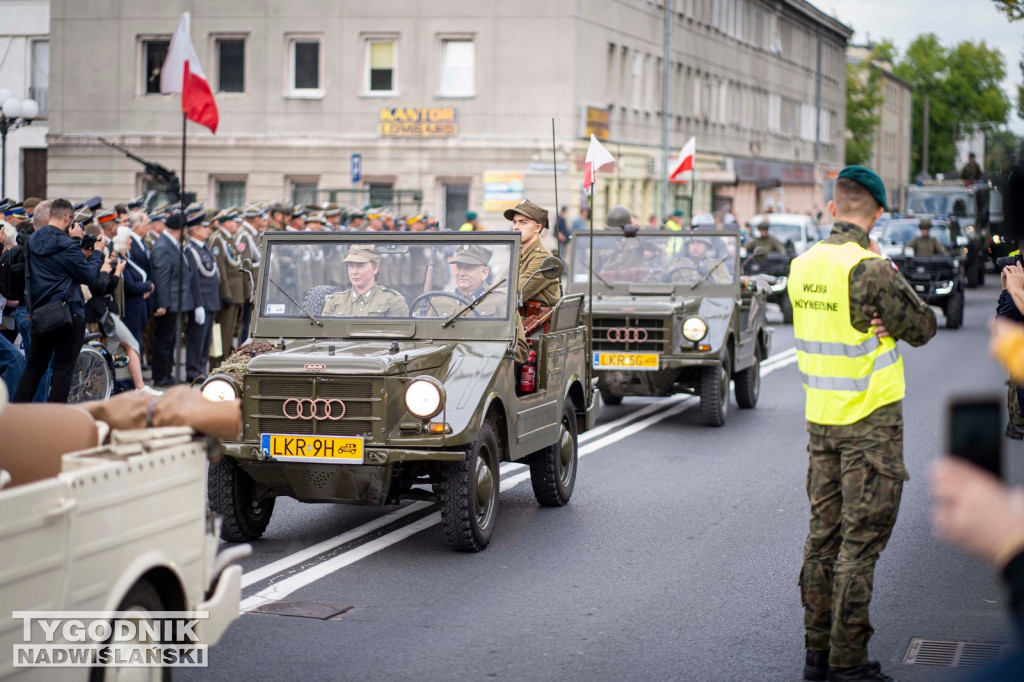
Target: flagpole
<point>591,255</point>
<point>554,170</point>
<point>693,183</point>
<point>181,256</point>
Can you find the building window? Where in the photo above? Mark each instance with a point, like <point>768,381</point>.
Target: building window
<point>230,64</point>
<point>380,66</point>
<point>305,71</point>
<point>457,68</point>
<point>40,86</point>
<point>381,193</point>
<point>154,53</point>
<point>229,193</point>
<point>304,192</point>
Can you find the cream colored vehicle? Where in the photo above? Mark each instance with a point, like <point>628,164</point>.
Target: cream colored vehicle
<point>121,527</point>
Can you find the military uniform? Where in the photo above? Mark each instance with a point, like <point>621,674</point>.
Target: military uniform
<point>540,288</point>
<point>232,288</point>
<point>855,473</point>
<point>768,243</point>
<point>197,351</point>
<point>927,247</point>
<point>247,242</point>
<point>377,301</point>
<point>971,171</point>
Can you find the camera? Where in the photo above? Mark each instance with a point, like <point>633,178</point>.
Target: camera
<point>1003,261</point>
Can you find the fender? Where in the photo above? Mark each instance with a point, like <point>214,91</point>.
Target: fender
<point>138,568</point>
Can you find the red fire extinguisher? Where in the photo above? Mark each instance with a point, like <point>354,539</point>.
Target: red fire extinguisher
<point>528,374</point>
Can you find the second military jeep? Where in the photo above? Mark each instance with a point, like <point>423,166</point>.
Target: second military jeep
<point>392,374</point>
<point>670,316</point>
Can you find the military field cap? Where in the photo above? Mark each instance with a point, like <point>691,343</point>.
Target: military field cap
<point>158,217</point>
<point>471,254</point>
<point>175,220</point>
<point>316,218</point>
<point>530,210</point>
<point>869,179</point>
<point>83,216</point>
<point>195,217</point>
<point>471,215</point>
<point>227,214</point>
<point>356,213</point>
<point>706,240</point>
<point>280,207</point>
<point>362,253</point>
<point>299,211</point>
<point>331,211</point>
<point>925,223</point>
<point>30,203</point>
<point>764,225</point>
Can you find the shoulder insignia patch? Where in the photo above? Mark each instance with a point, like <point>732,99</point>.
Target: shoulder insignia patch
<point>241,246</point>
<point>216,251</point>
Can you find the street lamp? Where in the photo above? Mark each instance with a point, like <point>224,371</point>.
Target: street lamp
<point>14,113</point>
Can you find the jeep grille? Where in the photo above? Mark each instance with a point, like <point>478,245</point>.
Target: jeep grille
<point>265,397</point>
<point>605,327</point>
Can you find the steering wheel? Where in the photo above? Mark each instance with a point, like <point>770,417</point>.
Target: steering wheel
<point>673,271</point>
<point>426,300</point>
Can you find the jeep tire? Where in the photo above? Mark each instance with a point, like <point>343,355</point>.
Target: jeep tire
<point>954,310</point>
<point>468,494</point>
<point>714,392</point>
<point>610,398</point>
<point>231,493</point>
<point>553,469</point>
<point>748,383</point>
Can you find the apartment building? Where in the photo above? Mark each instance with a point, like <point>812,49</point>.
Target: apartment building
<point>451,104</point>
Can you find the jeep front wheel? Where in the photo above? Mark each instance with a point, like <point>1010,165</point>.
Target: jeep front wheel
<point>553,469</point>
<point>232,493</point>
<point>786,306</point>
<point>714,392</point>
<point>954,310</point>
<point>610,398</point>
<point>748,383</point>
<point>468,494</point>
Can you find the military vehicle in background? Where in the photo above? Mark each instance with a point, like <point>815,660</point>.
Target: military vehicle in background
<point>165,185</point>
<point>964,203</point>
<point>672,314</point>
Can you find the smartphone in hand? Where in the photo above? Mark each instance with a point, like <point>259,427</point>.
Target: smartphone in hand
<point>975,432</point>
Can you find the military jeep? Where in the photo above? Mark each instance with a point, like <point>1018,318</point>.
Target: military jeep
<point>670,316</point>
<point>390,374</point>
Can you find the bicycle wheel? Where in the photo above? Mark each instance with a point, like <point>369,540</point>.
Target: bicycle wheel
<point>92,378</point>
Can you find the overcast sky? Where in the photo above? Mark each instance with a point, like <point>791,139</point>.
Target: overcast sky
<point>952,21</point>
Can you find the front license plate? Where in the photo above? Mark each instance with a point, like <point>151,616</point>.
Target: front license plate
<point>638,361</point>
<point>919,287</point>
<point>333,449</point>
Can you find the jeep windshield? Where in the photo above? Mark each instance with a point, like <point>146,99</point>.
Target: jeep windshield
<point>360,275</point>
<point>900,231</point>
<point>699,258</point>
<point>946,204</point>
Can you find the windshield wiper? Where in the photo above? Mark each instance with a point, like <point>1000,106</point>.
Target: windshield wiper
<point>603,280</point>
<point>297,304</point>
<point>708,274</point>
<point>471,305</point>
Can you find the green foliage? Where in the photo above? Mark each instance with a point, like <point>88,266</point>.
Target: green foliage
<point>1000,147</point>
<point>962,85</point>
<point>863,97</point>
<point>1013,9</point>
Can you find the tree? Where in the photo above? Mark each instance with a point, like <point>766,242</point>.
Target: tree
<point>962,85</point>
<point>1000,151</point>
<point>863,97</point>
<point>1013,9</point>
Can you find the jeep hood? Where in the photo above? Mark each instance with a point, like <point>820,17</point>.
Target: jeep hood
<point>356,357</point>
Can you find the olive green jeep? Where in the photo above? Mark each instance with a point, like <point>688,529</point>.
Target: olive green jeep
<point>672,314</point>
<point>390,373</point>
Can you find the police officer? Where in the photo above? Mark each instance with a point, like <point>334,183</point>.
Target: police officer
<point>200,326</point>
<point>529,220</point>
<point>365,298</point>
<point>925,245</point>
<point>849,309</point>
<point>765,240</point>
<point>232,281</point>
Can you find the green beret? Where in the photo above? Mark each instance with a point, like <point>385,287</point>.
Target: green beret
<point>471,216</point>
<point>869,179</point>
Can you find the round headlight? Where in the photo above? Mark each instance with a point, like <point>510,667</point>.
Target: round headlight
<point>424,398</point>
<point>694,329</point>
<point>219,390</point>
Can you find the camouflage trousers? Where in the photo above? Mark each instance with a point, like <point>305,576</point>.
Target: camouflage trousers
<point>854,484</point>
<point>1015,419</point>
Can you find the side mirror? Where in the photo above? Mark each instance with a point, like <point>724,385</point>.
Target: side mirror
<point>552,267</point>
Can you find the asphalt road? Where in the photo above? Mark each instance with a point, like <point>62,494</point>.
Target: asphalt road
<point>677,558</point>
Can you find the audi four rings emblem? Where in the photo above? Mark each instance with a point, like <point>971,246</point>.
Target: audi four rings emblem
<point>626,335</point>
<point>314,367</point>
<point>319,409</point>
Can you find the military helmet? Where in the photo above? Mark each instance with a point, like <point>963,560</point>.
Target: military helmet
<point>619,216</point>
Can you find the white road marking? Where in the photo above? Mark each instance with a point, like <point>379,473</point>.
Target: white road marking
<point>282,589</point>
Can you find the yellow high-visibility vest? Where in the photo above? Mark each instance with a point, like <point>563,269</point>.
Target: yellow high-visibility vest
<point>466,227</point>
<point>671,224</point>
<point>847,374</point>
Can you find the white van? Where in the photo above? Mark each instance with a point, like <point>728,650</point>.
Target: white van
<point>797,228</point>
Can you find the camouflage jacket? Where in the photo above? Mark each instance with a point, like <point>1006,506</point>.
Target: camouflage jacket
<point>876,286</point>
<point>770,244</point>
<point>926,247</point>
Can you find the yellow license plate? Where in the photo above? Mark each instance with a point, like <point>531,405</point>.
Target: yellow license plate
<point>333,449</point>
<point>636,361</point>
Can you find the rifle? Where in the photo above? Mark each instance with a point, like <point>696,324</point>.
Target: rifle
<point>153,169</point>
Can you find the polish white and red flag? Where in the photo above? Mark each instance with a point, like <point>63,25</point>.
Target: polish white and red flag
<point>597,159</point>
<point>182,74</point>
<point>685,161</point>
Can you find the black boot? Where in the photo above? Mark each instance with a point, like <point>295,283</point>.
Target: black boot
<point>816,666</point>
<point>871,671</point>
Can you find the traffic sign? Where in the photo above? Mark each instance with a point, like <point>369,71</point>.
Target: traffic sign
<point>356,164</point>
